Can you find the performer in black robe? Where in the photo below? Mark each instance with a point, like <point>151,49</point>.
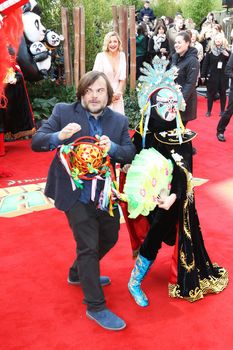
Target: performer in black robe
<point>174,220</point>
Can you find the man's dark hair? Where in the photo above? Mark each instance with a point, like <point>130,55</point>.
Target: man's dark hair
<point>88,79</point>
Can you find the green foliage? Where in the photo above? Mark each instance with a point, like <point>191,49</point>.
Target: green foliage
<point>166,8</point>
<point>45,94</point>
<point>98,20</point>
<point>137,3</point>
<point>42,108</point>
<point>198,9</point>
<point>97,23</point>
<point>131,107</point>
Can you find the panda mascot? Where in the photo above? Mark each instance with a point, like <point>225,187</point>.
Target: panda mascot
<point>42,57</point>
<point>33,31</point>
<point>52,41</point>
<point>29,58</point>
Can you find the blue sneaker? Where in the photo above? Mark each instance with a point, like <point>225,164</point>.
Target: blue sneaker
<point>106,319</point>
<point>104,281</point>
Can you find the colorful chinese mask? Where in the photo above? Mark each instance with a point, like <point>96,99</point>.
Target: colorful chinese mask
<point>166,104</point>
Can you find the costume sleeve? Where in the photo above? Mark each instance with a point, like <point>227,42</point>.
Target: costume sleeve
<point>178,184</point>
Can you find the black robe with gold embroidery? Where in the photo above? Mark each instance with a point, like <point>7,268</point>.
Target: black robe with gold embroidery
<point>192,275</point>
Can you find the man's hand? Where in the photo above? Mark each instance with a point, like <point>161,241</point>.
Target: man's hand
<point>104,142</point>
<point>68,131</point>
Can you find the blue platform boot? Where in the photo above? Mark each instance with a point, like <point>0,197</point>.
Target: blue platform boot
<point>140,270</point>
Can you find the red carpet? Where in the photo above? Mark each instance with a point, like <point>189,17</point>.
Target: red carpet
<point>40,311</point>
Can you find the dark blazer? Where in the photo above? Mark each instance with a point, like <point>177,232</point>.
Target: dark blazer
<point>229,70</point>
<point>188,72</point>
<point>114,125</point>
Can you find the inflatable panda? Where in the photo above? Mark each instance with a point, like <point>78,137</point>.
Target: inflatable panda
<point>42,57</point>
<point>31,63</point>
<point>52,40</point>
<point>32,6</point>
<point>34,31</point>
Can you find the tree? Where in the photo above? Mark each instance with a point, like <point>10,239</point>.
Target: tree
<point>198,9</point>
<point>166,8</point>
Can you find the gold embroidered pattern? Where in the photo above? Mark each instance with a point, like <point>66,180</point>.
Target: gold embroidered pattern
<point>186,220</point>
<point>188,267</point>
<point>189,199</point>
<point>215,284</point>
<point>189,193</point>
<point>207,286</point>
<point>174,291</point>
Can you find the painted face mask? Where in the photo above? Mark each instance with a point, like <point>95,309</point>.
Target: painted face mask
<point>166,104</point>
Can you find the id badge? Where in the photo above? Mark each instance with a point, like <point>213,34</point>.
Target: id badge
<point>219,66</point>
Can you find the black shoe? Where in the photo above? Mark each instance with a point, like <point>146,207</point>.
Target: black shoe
<point>104,281</point>
<point>221,137</point>
<point>208,114</point>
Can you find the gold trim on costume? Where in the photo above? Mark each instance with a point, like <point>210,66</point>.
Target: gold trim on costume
<point>210,285</point>
<point>171,137</point>
<point>187,267</point>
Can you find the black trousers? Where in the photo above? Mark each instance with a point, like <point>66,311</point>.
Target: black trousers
<point>95,233</point>
<point>211,97</point>
<point>226,117</point>
<point>163,229</point>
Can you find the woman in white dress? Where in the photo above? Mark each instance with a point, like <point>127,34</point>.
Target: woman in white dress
<point>112,62</point>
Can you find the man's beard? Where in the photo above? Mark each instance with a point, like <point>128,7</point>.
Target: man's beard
<point>93,109</point>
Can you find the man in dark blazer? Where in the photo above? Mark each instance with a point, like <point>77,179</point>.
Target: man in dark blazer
<point>94,230</point>
<point>227,114</point>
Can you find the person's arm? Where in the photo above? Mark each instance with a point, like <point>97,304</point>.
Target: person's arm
<point>151,50</point>
<point>191,81</point>
<point>51,134</point>
<point>124,151</point>
<point>151,15</point>
<point>200,53</point>
<point>229,67</point>
<point>205,65</point>
<point>122,77</point>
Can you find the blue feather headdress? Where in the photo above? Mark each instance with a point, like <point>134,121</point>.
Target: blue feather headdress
<point>154,77</point>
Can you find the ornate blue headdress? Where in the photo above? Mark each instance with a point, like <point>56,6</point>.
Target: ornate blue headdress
<point>155,77</point>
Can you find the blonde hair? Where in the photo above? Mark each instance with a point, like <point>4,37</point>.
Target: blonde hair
<point>195,32</point>
<point>107,41</point>
<point>225,44</point>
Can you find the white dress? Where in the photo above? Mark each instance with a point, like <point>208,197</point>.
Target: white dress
<point>102,64</point>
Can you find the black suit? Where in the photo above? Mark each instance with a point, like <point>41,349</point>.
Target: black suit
<point>226,116</point>
<point>95,231</point>
<point>188,70</point>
